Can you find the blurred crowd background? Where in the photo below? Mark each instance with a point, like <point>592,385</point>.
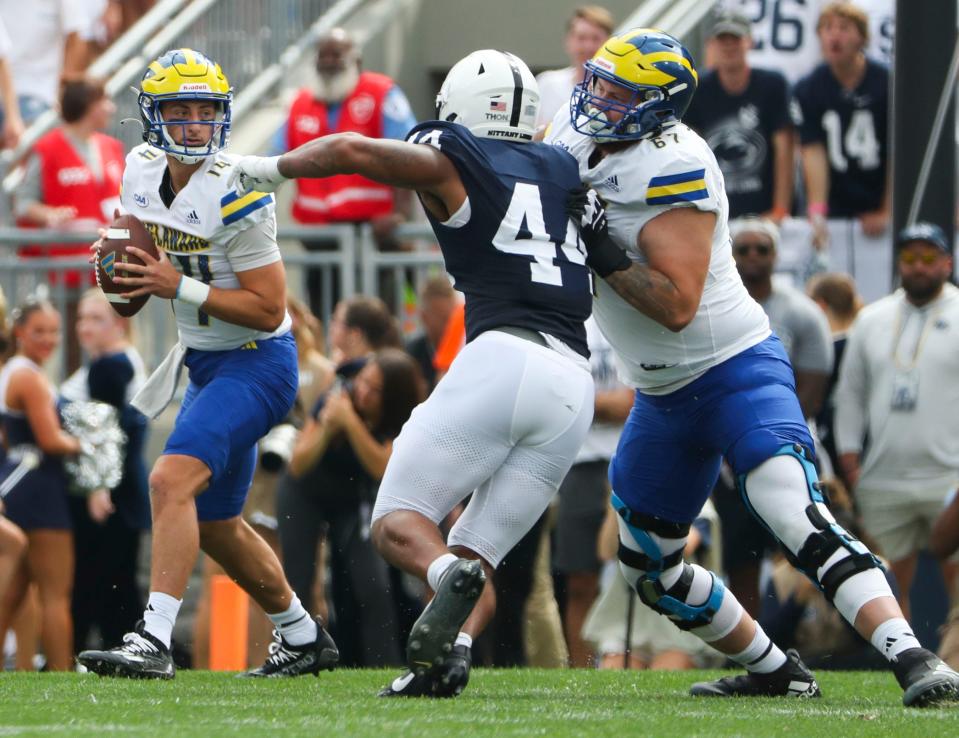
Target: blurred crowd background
<point>794,99</point>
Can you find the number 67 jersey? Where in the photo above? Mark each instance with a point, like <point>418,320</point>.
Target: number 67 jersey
<point>674,169</point>
<point>198,234</point>
<point>511,248</point>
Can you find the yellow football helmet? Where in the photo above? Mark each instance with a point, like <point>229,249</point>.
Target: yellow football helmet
<point>654,66</point>
<point>184,74</point>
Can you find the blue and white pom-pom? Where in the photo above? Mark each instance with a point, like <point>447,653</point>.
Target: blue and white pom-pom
<point>99,465</point>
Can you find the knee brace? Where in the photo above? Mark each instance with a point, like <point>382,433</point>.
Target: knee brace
<point>827,554</point>
<point>657,572</point>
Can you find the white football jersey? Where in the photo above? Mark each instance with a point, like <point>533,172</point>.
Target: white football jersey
<point>654,175</point>
<point>784,34</point>
<point>785,37</point>
<point>197,233</point>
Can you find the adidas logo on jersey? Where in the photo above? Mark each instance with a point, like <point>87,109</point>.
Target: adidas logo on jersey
<point>612,182</point>
<point>193,218</point>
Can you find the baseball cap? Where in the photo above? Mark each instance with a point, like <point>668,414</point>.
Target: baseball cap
<point>923,231</point>
<point>730,22</point>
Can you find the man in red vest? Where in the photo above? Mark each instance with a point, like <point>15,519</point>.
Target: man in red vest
<point>72,181</point>
<point>344,98</point>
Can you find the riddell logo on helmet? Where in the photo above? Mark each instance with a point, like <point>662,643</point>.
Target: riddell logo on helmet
<point>604,64</point>
<point>194,87</point>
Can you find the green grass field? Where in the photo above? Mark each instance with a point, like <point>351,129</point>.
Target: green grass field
<point>525,702</point>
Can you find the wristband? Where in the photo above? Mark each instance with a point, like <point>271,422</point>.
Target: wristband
<point>817,208</point>
<point>192,291</point>
<point>268,168</point>
<point>605,257</point>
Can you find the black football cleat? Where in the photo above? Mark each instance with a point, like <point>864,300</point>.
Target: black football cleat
<point>792,679</point>
<point>926,679</point>
<point>454,675</point>
<point>448,680</point>
<point>140,657</point>
<point>434,632</point>
<point>291,661</point>
<point>409,684</point>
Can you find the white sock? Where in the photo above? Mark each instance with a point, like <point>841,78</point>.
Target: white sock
<point>438,568</point>
<point>761,656</point>
<point>294,624</point>
<point>893,637</point>
<point>464,639</point>
<point>160,615</point>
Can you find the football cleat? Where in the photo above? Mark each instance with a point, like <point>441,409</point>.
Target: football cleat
<point>925,679</point>
<point>792,679</point>
<point>409,684</point>
<point>291,661</point>
<point>434,632</point>
<point>454,675</point>
<point>447,680</point>
<point>141,656</point>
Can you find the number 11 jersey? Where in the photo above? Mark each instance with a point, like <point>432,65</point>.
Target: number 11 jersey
<point>198,232</point>
<point>511,248</point>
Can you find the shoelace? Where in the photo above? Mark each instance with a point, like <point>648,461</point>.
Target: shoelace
<point>279,654</point>
<point>136,643</point>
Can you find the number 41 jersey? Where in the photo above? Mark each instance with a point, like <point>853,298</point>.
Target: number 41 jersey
<point>511,248</point>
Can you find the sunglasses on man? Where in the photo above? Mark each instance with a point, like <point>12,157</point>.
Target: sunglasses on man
<point>926,257</point>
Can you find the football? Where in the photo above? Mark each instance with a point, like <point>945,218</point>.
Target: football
<point>126,230</point>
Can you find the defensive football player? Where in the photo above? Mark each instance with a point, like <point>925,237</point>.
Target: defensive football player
<point>506,421</point>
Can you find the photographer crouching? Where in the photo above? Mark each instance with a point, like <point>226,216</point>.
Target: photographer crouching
<point>337,463</point>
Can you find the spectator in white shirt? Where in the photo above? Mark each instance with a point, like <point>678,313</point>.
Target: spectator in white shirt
<point>45,47</point>
<point>12,123</point>
<point>586,30</point>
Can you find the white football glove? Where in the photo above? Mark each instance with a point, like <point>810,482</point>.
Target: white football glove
<point>256,173</point>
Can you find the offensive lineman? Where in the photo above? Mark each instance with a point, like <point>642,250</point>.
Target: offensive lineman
<point>220,265</point>
<point>508,418</point>
<point>712,380</point>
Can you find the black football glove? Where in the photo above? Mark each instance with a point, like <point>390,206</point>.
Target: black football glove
<point>588,214</point>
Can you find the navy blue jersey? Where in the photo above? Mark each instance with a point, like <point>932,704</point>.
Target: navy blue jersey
<point>739,129</point>
<point>852,125</point>
<point>511,249</point>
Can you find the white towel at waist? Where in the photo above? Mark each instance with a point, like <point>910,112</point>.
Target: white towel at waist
<point>157,392</point>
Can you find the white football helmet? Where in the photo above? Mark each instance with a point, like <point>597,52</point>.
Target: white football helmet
<point>492,93</point>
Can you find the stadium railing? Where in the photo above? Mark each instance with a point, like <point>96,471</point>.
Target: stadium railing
<point>363,269</point>
<point>244,36</point>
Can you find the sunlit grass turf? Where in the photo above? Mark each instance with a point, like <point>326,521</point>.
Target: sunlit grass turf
<point>522,702</point>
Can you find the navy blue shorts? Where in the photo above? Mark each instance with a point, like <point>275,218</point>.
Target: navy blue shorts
<point>233,399</point>
<point>39,500</point>
<point>669,453</point>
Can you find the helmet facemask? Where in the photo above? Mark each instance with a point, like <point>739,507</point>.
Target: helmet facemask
<point>157,130</point>
<point>645,111</point>
<point>185,76</point>
<point>653,68</point>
